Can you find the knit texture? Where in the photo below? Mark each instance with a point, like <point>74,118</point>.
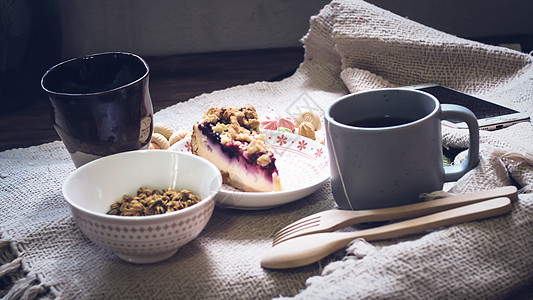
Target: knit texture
<point>351,46</point>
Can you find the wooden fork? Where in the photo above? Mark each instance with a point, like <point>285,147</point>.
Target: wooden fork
<point>335,219</point>
<point>308,249</point>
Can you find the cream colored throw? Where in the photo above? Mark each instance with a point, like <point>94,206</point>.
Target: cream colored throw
<point>351,46</point>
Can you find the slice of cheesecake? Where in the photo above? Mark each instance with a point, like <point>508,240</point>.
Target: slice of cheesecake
<point>230,139</point>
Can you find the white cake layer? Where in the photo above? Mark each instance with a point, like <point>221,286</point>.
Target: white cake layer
<point>248,178</point>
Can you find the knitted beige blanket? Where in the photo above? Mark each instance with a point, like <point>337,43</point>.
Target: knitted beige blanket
<point>351,46</point>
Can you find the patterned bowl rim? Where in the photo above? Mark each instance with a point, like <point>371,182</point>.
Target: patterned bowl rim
<point>136,219</point>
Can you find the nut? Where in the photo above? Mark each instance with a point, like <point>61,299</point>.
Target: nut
<point>256,146</point>
<point>307,130</point>
<point>163,129</point>
<point>309,117</point>
<point>177,136</point>
<point>160,140</point>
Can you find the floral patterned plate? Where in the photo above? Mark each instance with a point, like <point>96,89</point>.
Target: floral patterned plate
<point>302,164</point>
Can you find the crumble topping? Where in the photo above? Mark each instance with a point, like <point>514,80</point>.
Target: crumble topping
<point>240,126</point>
<point>256,146</point>
<point>264,160</point>
<point>239,119</point>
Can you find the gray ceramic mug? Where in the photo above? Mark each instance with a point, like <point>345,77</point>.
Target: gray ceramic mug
<point>385,147</point>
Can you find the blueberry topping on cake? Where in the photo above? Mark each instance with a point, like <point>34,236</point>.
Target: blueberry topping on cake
<point>230,138</point>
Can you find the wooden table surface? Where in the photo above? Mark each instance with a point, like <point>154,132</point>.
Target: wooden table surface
<point>173,79</point>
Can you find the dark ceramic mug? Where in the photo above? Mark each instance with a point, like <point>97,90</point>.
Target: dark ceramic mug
<point>385,147</point>
<point>101,104</point>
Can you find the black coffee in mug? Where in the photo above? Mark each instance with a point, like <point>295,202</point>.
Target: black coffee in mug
<point>381,121</point>
<point>101,104</point>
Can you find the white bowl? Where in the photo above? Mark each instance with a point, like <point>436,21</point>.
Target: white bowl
<point>92,188</point>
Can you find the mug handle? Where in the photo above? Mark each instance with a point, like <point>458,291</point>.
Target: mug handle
<point>460,113</point>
